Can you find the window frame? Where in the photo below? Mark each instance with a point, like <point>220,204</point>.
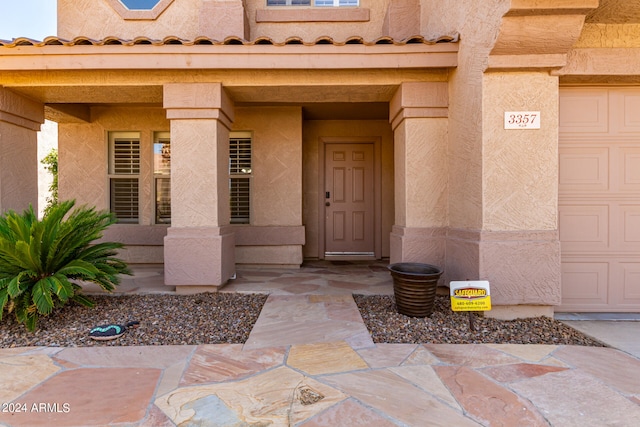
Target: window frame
<point>113,174</point>
<point>312,3</point>
<point>160,137</point>
<point>248,176</point>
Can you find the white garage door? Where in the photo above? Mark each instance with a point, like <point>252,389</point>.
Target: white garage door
<point>599,199</point>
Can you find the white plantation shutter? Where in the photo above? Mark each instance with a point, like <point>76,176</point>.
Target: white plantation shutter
<point>124,175</point>
<point>240,177</point>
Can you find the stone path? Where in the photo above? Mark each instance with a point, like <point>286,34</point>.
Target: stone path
<point>310,362</point>
<point>322,384</point>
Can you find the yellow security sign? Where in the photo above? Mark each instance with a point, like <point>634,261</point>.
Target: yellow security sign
<point>470,295</point>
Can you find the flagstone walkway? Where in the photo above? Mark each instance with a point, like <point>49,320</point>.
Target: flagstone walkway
<point>310,362</point>
<point>322,384</point>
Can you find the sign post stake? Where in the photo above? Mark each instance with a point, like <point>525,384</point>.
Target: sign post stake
<point>472,325</point>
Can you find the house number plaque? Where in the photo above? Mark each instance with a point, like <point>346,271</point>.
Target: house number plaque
<point>522,120</point>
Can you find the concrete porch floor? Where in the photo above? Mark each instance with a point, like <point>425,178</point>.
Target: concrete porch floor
<point>310,362</point>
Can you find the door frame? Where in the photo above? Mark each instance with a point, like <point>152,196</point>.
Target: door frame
<point>377,190</point>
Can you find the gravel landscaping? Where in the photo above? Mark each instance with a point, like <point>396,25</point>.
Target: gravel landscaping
<point>444,326</point>
<point>208,318</point>
<point>215,318</point>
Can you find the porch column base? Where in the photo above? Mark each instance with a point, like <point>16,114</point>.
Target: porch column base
<point>418,244</point>
<point>198,259</point>
<point>522,267</point>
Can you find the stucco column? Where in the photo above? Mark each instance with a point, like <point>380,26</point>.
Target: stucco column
<point>20,120</point>
<point>199,246</point>
<point>418,114</point>
<point>519,242</point>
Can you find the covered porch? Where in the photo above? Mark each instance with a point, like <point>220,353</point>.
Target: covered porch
<point>387,96</point>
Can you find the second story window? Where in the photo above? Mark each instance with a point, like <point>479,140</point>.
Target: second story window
<point>317,3</point>
<point>140,4</point>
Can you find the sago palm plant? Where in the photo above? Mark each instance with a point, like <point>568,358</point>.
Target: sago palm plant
<point>40,258</point>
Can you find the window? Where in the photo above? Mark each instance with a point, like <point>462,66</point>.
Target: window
<point>124,175</point>
<point>318,3</point>
<point>162,176</point>
<point>140,4</point>
<point>240,177</point>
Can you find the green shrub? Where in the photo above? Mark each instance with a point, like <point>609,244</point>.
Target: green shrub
<point>50,162</point>
<point>39,258</point>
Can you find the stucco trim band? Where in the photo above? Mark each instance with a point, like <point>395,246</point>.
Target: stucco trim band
<point>247,235</point>
<point>20,111</point>
<point>269,57</point>
<point>602,62</point>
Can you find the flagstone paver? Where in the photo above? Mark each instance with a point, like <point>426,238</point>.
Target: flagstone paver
<point>393,395</point>
<point>304,319</point>
<point>218,363</point>
<point>531,353</point>
<point>426,378</point>
<point>321,358</point>
<point>421,356</point>
<point>270,397</point>
<point>518,371</point>
<point>386,355</point>
<point>613,367</point>
<point>486,401</point>
<point>469,355</point>
<point>88,397</point>
<point>140,356</point>
<point>574,398</point>
<point>22,373</point>
<point>348,413</point>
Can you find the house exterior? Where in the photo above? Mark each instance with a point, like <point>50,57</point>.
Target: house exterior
<point>499,140</point>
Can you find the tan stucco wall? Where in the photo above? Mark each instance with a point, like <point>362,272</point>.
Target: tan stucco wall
<point>609,36</point>
<point>520,167</point>
<point>276,186</point>
<point>313,131</point>
<point>276,163</point>
<point>97,19</point>
<point>218,19</point>
<point>465,98</point>
<point>309,30</point>
<point>503,184</point>
<point>20,119</point>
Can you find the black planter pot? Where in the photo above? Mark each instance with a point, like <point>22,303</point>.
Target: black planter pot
<point>414,287</point>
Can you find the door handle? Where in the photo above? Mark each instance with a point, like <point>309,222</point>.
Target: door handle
<point>327,203</point>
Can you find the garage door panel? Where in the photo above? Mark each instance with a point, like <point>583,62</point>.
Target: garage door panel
<point>629,171</point>
<point>584,227</point>
<point>630,282</point>
<point>629,227</point>
<point>584,282</point>
<point>625,108</point>
<point>584,169</point>
<point>584,110</point>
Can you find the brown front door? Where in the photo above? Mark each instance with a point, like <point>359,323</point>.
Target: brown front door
<point>349,200</point>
